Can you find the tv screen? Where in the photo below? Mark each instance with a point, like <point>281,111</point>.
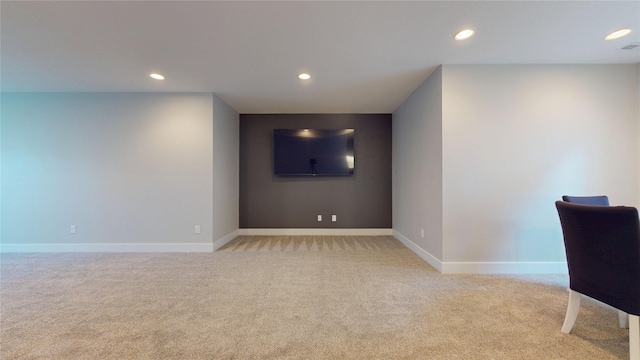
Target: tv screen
<point>313,152</point>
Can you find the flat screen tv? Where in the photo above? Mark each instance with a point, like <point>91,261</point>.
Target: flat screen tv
<point>313,152</point>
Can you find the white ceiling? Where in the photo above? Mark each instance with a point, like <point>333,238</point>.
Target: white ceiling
<point>365,57</point>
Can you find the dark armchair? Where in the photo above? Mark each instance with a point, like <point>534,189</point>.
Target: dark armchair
<point>601,200</point>
<point>602,245</point>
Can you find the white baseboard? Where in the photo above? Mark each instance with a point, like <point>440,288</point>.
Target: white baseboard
<point>318,232</point>
<point>225,239</point>
<point>138,247</point>
<point>443,267</point>
<point>423,254</point>
<point>120,247</point>
<point>483,267</point>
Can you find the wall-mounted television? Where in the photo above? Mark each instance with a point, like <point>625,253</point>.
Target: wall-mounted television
<point>313,152</point>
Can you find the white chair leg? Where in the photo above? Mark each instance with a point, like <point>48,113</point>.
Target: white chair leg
<point>572,311</point>
<point>624,319</point>
<point>634,337</point>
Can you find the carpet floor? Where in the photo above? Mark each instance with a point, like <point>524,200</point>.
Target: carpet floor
<point>288,298</point>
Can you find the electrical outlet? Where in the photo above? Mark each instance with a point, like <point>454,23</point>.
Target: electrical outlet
<point>422,233</point>
<point>334,218</point>
<point>319,217</point>
<point>197,229</point>
<point>72,229</point>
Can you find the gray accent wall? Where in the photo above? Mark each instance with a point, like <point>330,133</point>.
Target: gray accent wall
<point>362,200</point>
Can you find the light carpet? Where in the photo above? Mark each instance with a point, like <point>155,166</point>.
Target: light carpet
<point>288,298</point>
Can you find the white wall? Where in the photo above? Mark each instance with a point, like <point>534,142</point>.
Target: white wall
<point>124,168</point>
<point>515,139</point>
<point>482,152</point>
<point>226,144</point>
<point>1,157</point>
<point>417,170</point>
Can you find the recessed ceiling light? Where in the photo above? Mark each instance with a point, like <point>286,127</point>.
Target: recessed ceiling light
<point>618,34</point>
<point>157,76</point>
<point>464,34</point>
<point>304,76</point>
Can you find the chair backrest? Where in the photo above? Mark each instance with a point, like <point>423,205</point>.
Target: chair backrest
<point>601,200</point>
<point>602,245</point>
